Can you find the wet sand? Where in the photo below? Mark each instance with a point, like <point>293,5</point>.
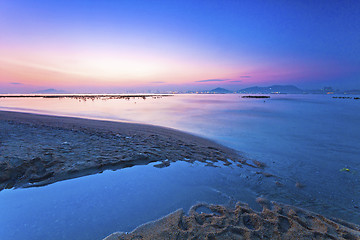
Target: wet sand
<point>275,221</point>
<point>38,150</point>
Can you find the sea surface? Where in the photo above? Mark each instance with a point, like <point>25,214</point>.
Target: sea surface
<point>312,141</point>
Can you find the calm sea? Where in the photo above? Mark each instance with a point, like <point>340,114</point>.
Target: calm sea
<point>309,139</point>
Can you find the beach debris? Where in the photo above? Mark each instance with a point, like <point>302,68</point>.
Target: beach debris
<point>344,170</point>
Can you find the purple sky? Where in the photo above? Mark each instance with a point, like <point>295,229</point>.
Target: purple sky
<point>116,46</point>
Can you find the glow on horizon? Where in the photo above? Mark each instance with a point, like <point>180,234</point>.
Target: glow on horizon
<point>92,46</point>
<point>96,71</point>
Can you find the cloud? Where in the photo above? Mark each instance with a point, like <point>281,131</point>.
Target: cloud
<point>16,83</point>
<point>213,80</point>
<point>236,81</point>
<point>157,82</point>
<point>245,76</point>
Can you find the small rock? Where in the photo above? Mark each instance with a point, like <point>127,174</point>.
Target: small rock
<point>278,184</point>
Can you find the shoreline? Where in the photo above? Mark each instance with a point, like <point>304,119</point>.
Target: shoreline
<point>275,221</point>
<point>40,149</point>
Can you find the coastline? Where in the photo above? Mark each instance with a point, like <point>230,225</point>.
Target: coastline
<point>39,149</point>
<point>275,221</point>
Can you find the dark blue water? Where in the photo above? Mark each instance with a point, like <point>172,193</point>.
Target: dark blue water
<point>306,139</point>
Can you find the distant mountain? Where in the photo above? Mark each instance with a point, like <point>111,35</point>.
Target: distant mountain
<point>50,91</point>
<point>220,90</point>
<point>272,89</point>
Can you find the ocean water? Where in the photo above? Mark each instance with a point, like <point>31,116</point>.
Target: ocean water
<point>306,139</point>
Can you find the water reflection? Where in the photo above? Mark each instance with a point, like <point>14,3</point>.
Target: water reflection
<point>93,207</point>
<point>305,139</point>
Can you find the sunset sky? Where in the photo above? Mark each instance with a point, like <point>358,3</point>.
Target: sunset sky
<point>117,46</point>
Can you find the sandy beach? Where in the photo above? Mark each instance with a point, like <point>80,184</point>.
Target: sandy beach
<point>275,221</point>
<point>38,150</point>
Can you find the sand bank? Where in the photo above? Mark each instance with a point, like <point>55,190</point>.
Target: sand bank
<point>276,221</point>
<point>37,149</point>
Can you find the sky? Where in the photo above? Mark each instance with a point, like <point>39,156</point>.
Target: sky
<point>118,46</point>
